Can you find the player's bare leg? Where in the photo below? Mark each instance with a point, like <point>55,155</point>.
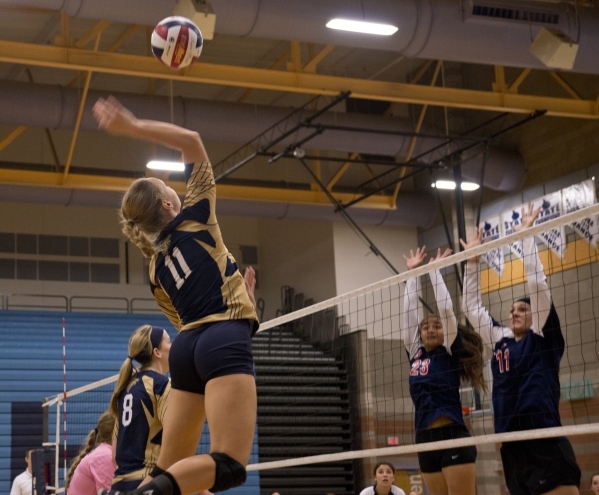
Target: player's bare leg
<point>436,484</point>
<point>230,405</point>
<point>461,479</point>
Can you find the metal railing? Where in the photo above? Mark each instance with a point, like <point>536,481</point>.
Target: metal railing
<point>56,302</point>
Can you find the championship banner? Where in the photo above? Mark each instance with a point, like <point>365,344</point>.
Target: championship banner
<point>551,207</point>
<point>579,196</point>
<point>491,231</point>
<point>508,220</point>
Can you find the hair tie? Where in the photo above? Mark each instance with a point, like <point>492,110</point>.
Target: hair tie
<point>130,223</point>
<point>96,431</point>
<point>130,357</point>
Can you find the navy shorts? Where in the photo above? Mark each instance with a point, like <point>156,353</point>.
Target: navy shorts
<point>434,461</point>
<point>212,350</point>
<point>539,466</point>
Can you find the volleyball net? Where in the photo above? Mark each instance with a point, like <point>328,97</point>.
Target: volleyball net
<point>362,332</point>
<point>333,376</point>
<point>69,417</point>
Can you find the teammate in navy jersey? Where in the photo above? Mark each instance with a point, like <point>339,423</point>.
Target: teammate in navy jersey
<point>197,284</point>
<point>138,404</point>
<point>439,356</point>
<point>525,364</point>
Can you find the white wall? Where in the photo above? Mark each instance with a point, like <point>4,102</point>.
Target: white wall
<point>356,265</point>
<point>298,253</point>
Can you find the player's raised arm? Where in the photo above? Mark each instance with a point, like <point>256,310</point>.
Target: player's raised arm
<point>444,302</point>
<point>114,118</point>
<point>410,334</point>
<point>540,296</point>
<point>473,307</point>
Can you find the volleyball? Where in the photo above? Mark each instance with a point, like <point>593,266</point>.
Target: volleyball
<point>176,42</point>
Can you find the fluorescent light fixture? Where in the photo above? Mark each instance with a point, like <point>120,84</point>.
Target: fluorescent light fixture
<point>449,184</point>
<point>362,27</point>
<point>163,165</point>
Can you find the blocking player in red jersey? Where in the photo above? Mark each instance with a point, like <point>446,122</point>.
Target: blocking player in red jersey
<point>440,354</point>
<point>525,364</point>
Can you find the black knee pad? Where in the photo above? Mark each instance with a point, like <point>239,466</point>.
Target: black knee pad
<point>229,473</point>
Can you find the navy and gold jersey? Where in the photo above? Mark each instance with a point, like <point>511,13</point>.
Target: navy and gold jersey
<point>197,281</point>
<point>526,387</point>
<point>138,431</point>
<point>435,375</point>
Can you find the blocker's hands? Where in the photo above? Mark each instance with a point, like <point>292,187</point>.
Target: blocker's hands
<point>528,218</point>
<point>440,255</point>
<point>416,259</point>
<point>474,239</point>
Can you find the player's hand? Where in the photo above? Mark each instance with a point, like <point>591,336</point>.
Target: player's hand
<point>440,255</point>
<point>416,259</point>
<point>474,239</point>
<point>249,277</point>
<point>528,218</point>
<point>113,117</point>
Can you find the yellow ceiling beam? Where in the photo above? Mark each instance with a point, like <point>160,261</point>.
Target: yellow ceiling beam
<point>519,80</point>
<point>12,136</point>
<point>224,191</point>
<point>142,66</point>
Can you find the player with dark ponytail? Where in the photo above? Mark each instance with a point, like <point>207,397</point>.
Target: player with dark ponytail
<point>440,354</point>
<point>525,365</point>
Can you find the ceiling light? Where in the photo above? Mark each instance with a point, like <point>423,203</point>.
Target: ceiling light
<point>163,165</point>
<point>362,27</point>
<point>449,184</point>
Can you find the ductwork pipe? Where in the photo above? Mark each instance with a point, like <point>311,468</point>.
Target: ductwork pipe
<point>434,29</point>
<point>56,107</point>
<point>413,210</point>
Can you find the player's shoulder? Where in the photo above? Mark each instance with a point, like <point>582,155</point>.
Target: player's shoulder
<point>367,491</point>
<point>395,490</point>
<point>159,381</point>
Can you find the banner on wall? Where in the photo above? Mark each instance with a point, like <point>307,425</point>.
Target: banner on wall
<point>579,196</point>
<point>491,229</point>
<point>509,219</point>
<point>551,207</point>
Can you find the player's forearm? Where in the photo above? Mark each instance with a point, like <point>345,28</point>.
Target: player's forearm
<point>170,135</point>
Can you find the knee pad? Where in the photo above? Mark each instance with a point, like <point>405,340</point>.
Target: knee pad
<point>229,473</point>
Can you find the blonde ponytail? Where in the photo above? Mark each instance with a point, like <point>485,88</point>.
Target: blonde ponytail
<point>140,349</point>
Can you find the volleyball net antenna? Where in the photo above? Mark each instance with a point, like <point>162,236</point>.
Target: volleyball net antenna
<point>359,334</point>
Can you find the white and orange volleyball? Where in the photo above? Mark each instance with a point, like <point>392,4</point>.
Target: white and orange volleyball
<point>176,42</point>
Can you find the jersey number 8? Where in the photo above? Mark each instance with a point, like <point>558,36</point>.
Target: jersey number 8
<point>127,410</point>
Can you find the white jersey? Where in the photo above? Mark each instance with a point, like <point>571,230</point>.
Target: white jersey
<point>22,484</point>
<point>394,491</point>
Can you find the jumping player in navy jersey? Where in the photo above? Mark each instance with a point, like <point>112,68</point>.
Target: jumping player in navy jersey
<point>197,284</point>
<point>439,356</point>
<point>525,364</point>
<point>138,404</point>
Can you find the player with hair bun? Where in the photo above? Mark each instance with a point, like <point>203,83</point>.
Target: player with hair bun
<point>525,365</point>
<point>440,354</point>
<point>198,286</point>
<point>138,404</point>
